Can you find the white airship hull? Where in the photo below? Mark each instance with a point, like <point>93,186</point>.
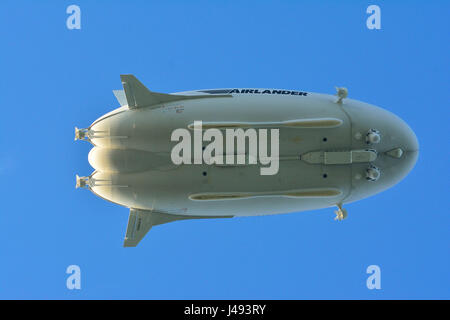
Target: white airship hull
<point>330,152</point>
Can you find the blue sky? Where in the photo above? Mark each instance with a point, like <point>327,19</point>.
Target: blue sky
<point>54,79</point>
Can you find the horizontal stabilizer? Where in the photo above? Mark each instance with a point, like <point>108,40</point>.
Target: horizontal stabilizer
<point>141,221</point>
<point>138,96</point>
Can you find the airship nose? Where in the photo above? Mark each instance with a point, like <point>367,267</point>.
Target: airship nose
<point>399,161</point>
<point>408,139</point>
<point>393,140</point>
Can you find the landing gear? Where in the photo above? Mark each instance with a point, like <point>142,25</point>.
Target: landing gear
<point>373,136</point>
<point>341,213</point>
<point>372,173</point>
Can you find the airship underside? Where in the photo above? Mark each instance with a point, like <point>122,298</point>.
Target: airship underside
<point>311,151</point>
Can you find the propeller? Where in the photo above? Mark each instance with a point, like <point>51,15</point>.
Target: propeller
<point>81,182</point>
<point>341,213</point>
<point>80,134</point>
<point>342,93</point>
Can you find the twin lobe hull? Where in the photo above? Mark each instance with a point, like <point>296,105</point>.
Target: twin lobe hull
<point>328,151</point>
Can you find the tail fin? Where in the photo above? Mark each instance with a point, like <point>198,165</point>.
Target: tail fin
<point>138,96</point>
<point>141,221</point>
<point>120,96</point>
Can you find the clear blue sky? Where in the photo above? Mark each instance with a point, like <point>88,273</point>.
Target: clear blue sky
<point>53,79</point>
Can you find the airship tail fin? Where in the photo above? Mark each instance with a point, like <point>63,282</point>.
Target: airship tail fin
<point>141,221</point>
<point>120,96</point>
<point>138,96</point>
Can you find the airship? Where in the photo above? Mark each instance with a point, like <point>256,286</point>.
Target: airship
<point>222,153</point>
